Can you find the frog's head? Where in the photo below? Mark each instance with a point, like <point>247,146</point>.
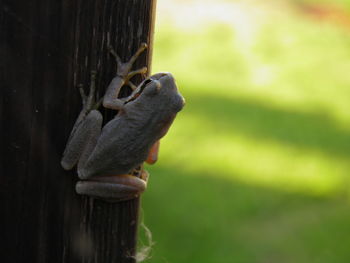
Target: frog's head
<point>159,90</point>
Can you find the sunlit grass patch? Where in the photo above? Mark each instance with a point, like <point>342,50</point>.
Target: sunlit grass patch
<point>230,154</point>
<point>295,64</point>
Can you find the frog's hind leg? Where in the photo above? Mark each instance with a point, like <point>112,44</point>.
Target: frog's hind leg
<point>83,142</point>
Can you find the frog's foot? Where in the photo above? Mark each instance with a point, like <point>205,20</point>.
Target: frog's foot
<point>141,71</point>
<point>114,188</point>
<point>124,69</point>
<point>89,100</point>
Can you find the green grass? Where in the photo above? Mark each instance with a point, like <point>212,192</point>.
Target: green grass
<point>256,168</point>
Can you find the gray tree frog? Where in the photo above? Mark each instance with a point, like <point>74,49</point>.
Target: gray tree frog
<point>109,159</point>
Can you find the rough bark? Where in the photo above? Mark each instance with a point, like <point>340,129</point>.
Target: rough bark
<point>47,48</point>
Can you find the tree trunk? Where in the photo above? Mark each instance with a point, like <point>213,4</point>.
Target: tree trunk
<point>47,48</point>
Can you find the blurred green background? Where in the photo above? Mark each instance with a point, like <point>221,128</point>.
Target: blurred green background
<point>255,169</point>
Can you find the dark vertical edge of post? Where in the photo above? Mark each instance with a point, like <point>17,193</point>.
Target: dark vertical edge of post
<point>46,49</point>
<point>152,22</point>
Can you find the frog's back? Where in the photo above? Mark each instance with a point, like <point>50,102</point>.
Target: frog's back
<point>121,147</point>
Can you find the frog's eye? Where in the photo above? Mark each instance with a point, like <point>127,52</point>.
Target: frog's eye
<point>145,83</point>
<point>149,86</point>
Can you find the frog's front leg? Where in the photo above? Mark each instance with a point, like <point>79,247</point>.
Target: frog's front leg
<point>124,74</point>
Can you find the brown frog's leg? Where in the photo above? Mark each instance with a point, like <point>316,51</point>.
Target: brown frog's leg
<point>153,153</point>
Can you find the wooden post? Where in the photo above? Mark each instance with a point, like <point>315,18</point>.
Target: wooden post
<point>47,48</point>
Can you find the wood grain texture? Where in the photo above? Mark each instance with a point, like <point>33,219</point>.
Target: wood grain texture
<point>47,48</point>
